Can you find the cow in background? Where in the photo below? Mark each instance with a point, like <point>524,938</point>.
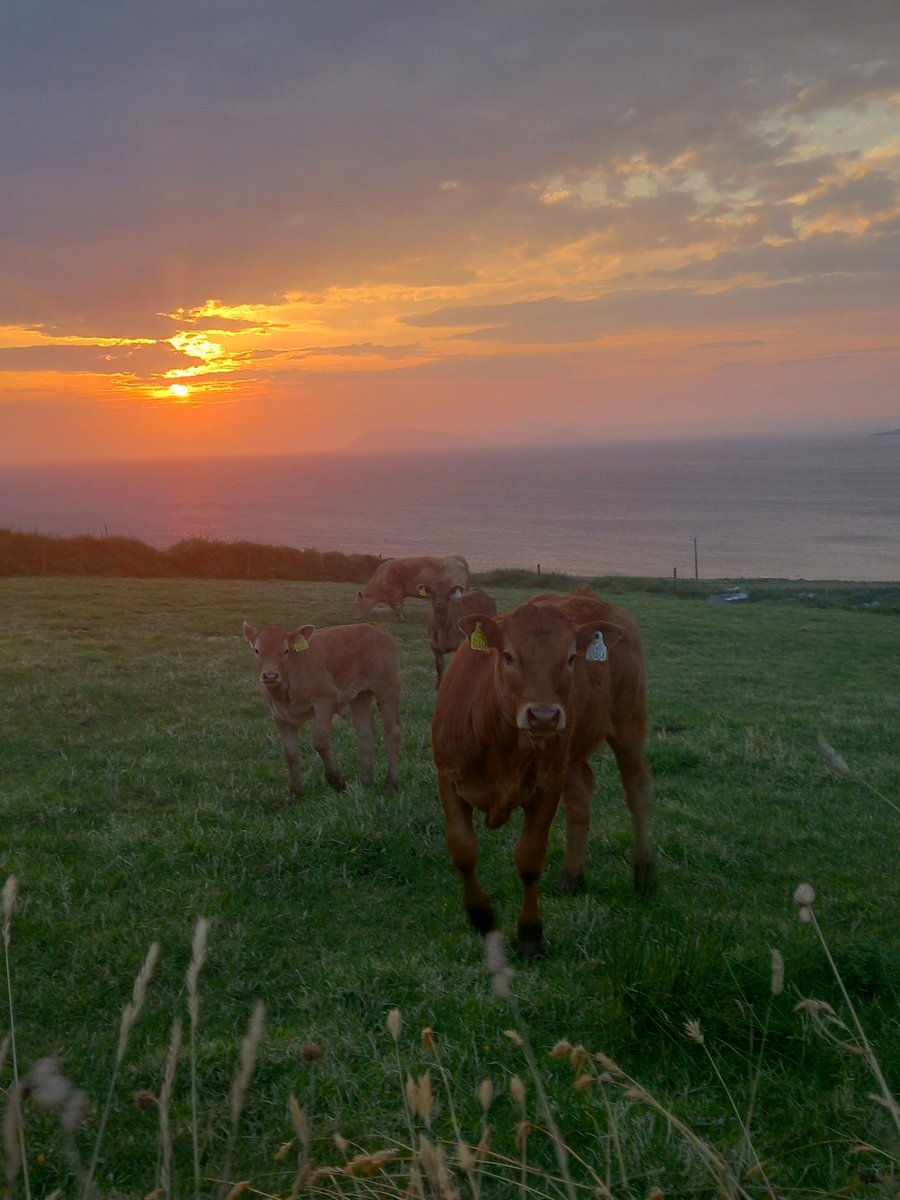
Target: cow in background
<point>522,705</point>
<point>448,606</point>
<point>396,578</point>
<point>311,674</point>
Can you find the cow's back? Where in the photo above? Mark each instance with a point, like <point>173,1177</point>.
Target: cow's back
<point>356,658</point>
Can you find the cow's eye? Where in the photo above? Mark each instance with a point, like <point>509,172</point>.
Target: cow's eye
<point>572,658</point>
<point>508,658</point>
<point>256,649</point>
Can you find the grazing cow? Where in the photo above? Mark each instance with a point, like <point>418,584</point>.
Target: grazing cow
<point>397,578</point>
<point>448,606</point>
<point>311,674</point>
<point>521,707</point>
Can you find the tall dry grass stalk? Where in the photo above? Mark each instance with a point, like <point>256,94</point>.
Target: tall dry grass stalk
<point>244,1073</point>
<point>13,1128</point>
<point>501,979</point>
<point>804,898</point>
<point>838,766</point>
<point>130,1014</point>
<point>192,976</point>
<point>164,1182</point>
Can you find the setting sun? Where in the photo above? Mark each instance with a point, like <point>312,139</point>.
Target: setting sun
<point>180,391</point>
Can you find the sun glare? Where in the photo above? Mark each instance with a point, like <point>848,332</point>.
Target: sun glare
<point>179,391</point>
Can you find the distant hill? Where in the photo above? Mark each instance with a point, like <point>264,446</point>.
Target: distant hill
<point>560,437</point>
<point>381,440</point>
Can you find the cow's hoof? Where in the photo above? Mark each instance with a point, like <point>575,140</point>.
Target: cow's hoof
<point>338,782</point>
<point>481,918</point>
<point>530,942</point>
<point>571,884</point>
<point>645,880</point>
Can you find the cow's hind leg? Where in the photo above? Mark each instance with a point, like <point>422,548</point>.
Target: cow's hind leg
<point>389,707</point>
<point>577,798</point>
<point>364,724</point>
<point>628,747</point>
<point>462,847</point>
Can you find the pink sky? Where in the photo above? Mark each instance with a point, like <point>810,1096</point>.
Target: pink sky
<point>276,227</point>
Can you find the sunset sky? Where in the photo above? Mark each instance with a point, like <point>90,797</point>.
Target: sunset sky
<point>270,227</point>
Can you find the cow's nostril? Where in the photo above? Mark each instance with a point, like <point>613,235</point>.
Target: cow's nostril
<point>543,716</point>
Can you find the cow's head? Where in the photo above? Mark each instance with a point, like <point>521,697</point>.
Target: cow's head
<point>273,647</point>
<point>536,648</point>
<point>364,605</point>
<point>440,595</point>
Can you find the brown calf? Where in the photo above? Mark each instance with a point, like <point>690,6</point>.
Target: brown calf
<point>448,606</point>
<point>521,707</point>
<point>311,674</point>
<point>397,578</point>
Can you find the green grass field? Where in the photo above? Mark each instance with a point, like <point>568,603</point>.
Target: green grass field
<point>142,787</point>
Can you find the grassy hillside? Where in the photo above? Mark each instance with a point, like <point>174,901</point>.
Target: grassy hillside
<point>143,786</point>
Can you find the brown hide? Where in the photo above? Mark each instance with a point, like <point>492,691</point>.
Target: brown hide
<point>449,604</point>
<point>396,578</point>
<point>312,674</point>
<point>514,725</point>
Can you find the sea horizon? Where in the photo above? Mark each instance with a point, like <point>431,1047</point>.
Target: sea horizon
<point>790,506</point>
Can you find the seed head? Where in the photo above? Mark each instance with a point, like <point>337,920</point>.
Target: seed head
<point>692,1029</point>
<point>485,1094</point>
<point>832,759</point>
<point>10,891</point>
<point>394,1023</point>
<point>517,1090</point>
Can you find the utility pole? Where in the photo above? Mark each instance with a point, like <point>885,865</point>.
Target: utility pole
<point>696,561</point>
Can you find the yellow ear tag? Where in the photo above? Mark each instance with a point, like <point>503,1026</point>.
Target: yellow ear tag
<point>477,640</point>
<point>422,591</point>
<point>300,644</point>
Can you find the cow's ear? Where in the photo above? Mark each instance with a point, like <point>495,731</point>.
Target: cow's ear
<point>483,632</point>
<point>596,637</point>
<point>249,632</point>
<point>299,639</point>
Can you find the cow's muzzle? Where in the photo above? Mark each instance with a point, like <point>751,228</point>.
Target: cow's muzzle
<point>542,719</point>
<point>270,678</point>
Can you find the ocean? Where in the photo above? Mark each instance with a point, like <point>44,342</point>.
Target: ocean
<point>794,508</point>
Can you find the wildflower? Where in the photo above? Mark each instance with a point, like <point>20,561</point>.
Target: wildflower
<point>803,898</point>
<point>394,1022</point>
<point>48,1088</point>
<point>10,891</point>
<point>502,975</point>
<point>75,1111</point>
<point>777,973</point>
<point>144,1100</point>
<point>832,759</point>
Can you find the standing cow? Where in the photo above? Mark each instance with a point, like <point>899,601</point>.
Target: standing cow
<point>397,578</point>
<point>448,606</point>
<point>311,674</point>
<point>521,707</point>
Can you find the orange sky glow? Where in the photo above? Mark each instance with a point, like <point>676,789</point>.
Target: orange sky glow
<point>446,220</point>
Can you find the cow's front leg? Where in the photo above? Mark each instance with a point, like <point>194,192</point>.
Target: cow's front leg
<point>462,847</point>
<point>290,743</point>
<point>531,850</point>
<point>321,740</point>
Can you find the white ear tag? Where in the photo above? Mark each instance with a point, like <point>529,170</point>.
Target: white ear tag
<point>597,651</point>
